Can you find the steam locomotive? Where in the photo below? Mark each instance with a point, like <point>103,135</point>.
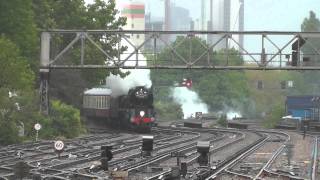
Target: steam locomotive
<point>133,111</point>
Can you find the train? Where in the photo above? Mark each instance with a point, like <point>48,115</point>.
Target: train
<point>134,110</point>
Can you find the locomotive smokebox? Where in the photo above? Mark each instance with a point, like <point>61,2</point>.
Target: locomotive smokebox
<point>141,95</point>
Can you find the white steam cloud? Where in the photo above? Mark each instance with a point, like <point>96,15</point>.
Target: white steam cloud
<point>189,101</point>
<point>137,77</point>
<point>233,114</point>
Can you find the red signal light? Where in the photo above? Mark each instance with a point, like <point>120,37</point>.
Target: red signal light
<point>187,83</point>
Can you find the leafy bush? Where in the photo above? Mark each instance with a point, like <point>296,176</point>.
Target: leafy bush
<point>64,121</point>
<point>17,78</point>
<point>222,121</point>
<point>8,133</point>
<point>274,116</point>
<point>168,110</point>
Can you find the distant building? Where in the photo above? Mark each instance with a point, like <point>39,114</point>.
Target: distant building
<point>155,24</point>
<point>225,15</point>
<point>180,18</point>
<point>176,19</point>
<point>135,13</point>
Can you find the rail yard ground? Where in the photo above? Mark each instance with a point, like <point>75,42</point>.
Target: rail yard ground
<point>232,154</point>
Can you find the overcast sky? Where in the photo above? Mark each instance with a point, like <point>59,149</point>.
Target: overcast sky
<point>279,15</point>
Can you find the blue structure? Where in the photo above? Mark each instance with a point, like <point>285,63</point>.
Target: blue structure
<point>305,107</point>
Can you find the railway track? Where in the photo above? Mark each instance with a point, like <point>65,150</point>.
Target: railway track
<point>230,150</point>
<point>267,172</point>
<point>199,173</point>
<point>166,156</point>
<point>252,163</point>
<point>64,170</point>
<point>122,155</point>
<point>224,166</point>
<point>309,172</point>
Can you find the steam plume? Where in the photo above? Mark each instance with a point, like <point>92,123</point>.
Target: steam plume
<point>189,101</point>
<point>137,77</point>
<point>233,114</point>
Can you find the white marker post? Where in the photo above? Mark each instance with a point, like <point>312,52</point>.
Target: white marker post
<point>59,146</point>
<point>37,127</point>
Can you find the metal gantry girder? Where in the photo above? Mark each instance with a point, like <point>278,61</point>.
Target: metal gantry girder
<point>253,59</point>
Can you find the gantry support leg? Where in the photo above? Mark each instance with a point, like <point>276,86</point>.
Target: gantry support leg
<point>44,93</point>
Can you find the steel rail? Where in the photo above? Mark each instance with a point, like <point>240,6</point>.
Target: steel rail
<point>76,146</point>
<point>97,157</point>
<point>239,174</point>
<point>279,174</point>
<point>273,157</point>
<point>265,167</point>
<point>315,159</point>
<point>60,173</point>
<point>166,173</point>
<point>121,150</point>
<point>49,146</point>
<point>240,157</point>
<point>165,155</point>
<point>219,148</point>
<point>68,150</point>
<point>284,175</point>
<point>226,161</point>
<point>313,168</point>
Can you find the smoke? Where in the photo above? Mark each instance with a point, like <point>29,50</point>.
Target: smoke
<point>233,114</point>
<point>137,77</point>
<point>121,86</point>
<point>189,101</point>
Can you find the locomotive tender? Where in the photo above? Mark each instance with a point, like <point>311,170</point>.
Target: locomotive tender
<point>133,110</point>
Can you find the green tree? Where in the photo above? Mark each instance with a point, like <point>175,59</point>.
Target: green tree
<point>274,116</point>
<point>15,73</point>
<point>311,24</point>
<point>168,110</point>
<point>68,85</point>
<point>222,121</point>
<point>43,14</point>
<point>64,121</point>
<point>17,24</point>
<point>222,90</point>
<point>17,78</point>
